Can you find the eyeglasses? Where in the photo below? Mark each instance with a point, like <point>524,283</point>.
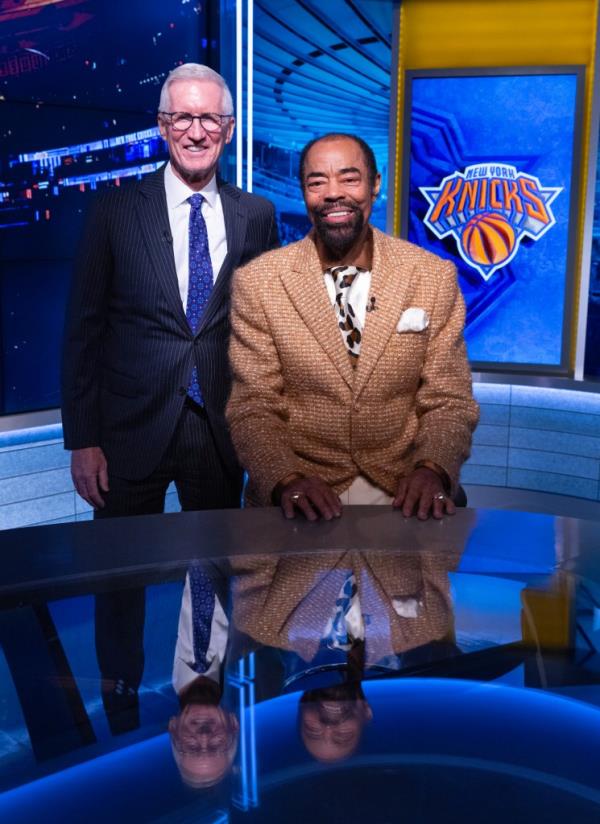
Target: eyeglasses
<point>211,749</point>
<point>219,743</point>
<point>181,121</point>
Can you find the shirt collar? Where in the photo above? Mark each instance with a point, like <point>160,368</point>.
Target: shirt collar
<point>333,270</point>
<point>178,192</point>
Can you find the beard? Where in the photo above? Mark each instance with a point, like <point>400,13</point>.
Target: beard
<point>338,239</point>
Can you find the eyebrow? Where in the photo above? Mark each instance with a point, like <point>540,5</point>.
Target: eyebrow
<point>343,171</point>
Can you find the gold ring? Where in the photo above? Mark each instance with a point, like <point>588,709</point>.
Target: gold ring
<point>439,496</point>
<point>296,496</point>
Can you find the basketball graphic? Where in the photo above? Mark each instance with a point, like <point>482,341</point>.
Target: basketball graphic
<point>488,239</point>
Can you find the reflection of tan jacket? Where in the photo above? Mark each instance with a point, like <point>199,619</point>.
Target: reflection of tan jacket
<point>285,602</point>
<point>297,403</point>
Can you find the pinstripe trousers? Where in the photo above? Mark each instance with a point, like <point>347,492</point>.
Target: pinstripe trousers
<point>193,463</point>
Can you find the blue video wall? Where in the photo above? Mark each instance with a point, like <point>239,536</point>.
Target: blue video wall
<point>490,187</point>
<point>80,82</point>
<point>318,68</point>
<point>592,348</point>
<point>79,114</point>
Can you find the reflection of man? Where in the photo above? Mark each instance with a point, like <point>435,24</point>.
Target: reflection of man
<point>332,720</point>
<point>204,735</point>
<point>321,623</point>
<point>145,375</point>
<point>351,382</point>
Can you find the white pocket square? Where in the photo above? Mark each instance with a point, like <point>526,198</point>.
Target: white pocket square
<point>414,319</point>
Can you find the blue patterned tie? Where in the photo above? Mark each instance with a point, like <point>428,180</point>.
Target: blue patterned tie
<point>338,637</point>
<point>200,280</point>
<point>202,594</point>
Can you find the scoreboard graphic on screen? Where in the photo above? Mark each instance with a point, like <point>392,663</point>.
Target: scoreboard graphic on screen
<point>490,182</point>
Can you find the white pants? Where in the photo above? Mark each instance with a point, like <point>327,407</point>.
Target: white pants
<point>362,491</point>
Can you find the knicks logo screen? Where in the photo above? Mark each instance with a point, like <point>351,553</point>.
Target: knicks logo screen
<point>488,209</point>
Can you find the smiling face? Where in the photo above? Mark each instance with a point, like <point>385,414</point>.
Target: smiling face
<point>339,195</point>
<point>204,739</point>
<point>195,153</point>
<point>331,729</point>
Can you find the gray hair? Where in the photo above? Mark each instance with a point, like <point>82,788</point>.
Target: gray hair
<point>195,71</point>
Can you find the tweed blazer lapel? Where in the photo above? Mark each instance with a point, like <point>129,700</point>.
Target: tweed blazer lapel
<point>236,218</point>
<point>154,222</point>
<point>306,289</point>
<point>389,282</point>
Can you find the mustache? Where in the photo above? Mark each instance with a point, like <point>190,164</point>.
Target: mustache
<point>350,691</point>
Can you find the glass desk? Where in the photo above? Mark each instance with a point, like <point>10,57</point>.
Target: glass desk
<point>369,669</point>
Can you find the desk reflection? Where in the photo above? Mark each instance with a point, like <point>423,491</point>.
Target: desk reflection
<point>259,627</point>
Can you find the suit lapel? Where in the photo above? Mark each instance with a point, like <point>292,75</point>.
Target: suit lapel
<point>306,289</point>
<point>154,222</point>
<point>389,281</point>
<point>236,218</point>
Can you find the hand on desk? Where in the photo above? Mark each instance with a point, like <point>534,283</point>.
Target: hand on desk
<point>311,496</point>
<point>424,492</point>
<point>89,471</point>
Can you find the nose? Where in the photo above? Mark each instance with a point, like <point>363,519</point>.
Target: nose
<point>196,131</point>
<point>333,190</point>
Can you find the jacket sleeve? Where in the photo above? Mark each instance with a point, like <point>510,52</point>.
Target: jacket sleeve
<point>446,408</point>
<point>85,324</point>
<point>257,411</point>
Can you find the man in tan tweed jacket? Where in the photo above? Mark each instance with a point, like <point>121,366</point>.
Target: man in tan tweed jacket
<point>350,377</point>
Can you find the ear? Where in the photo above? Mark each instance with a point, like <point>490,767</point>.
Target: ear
<point>376,186</point>
<point>367,712</point>
<point>230,128</point>
<point>162,127</point>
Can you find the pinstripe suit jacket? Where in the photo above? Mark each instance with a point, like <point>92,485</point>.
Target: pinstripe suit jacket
<point>128,349</point>
<point>298,405</point>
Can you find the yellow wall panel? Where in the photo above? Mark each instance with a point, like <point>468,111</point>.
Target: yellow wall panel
<point>444,33</point>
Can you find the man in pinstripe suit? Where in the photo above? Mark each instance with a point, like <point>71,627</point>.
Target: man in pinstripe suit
<point>131,416</point>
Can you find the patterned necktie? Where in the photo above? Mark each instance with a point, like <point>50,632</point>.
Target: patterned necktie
<point>337,635</point>
<point>350,325</point>
<point>200,279</point>
<point>202,594</point>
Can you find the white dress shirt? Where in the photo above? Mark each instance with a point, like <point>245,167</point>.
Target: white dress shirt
<point>184,658</point>
<point>178,208</point>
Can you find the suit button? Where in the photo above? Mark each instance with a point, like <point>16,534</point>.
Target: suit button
<point>182,390</point>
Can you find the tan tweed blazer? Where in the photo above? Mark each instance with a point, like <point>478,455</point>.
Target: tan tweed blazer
<point>298,404</point>
<point>285,602</point>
